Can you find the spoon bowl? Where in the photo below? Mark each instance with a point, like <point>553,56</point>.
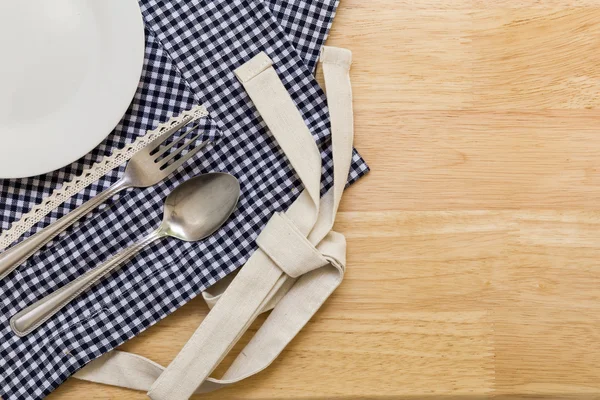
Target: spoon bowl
<point>191,214</point>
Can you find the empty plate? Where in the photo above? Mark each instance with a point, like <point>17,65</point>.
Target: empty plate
<point>68,73</point>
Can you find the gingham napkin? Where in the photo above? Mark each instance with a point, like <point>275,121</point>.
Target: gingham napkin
<point>192,49</point>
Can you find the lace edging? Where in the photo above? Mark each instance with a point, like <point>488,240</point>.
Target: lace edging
<point>92,174</point>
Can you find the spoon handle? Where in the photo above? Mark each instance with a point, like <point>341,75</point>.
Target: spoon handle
<point>30,318</point>
<point>16,255</point>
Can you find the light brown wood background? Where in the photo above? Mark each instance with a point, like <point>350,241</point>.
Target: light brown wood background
<point>474,244</point>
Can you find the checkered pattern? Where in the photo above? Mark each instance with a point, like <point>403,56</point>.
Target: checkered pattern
<point>306,23</point>
<point>192,49</point>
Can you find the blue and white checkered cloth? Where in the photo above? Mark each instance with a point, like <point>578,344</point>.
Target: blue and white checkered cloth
<point>192,48</point>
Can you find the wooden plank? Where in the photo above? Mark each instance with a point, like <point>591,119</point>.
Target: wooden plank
<point>470,160</point>
<point>527,59</point>
<point>407,60</point>
<point>547,307</point>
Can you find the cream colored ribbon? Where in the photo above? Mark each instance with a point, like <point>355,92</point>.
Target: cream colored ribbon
<point>299,263</point>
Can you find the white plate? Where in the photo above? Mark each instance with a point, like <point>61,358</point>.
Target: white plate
<point>68,72</point>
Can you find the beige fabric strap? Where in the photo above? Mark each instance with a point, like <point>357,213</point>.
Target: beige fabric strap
<point>299,242</point>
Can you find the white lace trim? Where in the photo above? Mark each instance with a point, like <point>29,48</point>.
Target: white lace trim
<point>92,174</point>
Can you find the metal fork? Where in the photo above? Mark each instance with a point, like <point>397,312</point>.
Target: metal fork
<point>146,168</point>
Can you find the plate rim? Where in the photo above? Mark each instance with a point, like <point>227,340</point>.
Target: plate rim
<point>140,57</point>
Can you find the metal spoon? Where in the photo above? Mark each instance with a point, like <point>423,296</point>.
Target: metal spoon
<point>192,212</point>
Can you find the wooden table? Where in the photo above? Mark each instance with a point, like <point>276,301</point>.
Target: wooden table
<point>474,244</point>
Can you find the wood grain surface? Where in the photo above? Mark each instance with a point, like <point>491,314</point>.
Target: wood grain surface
<point>474,244</point>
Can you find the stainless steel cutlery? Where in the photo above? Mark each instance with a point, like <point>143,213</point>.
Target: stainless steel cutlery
<point>148,167</point>
<point>192,212</point>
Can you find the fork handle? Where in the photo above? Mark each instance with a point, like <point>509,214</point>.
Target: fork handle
<point>17,255</point>
<point>30,318</point>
